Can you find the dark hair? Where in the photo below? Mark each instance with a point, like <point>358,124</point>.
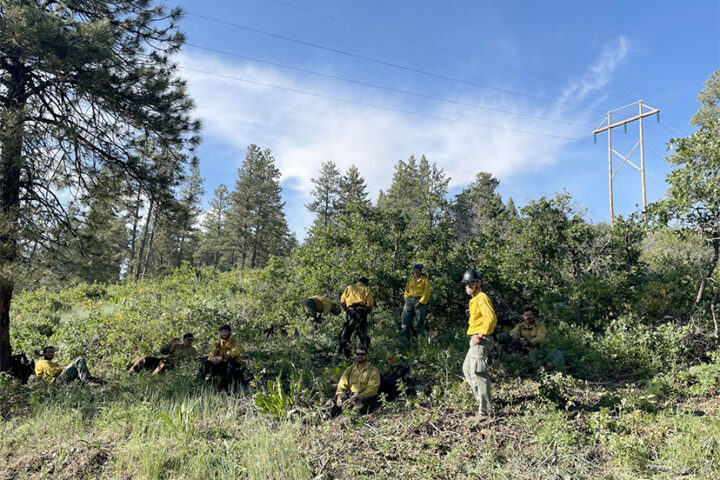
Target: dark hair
<point>45,349</point>
<point>364,280</point>
<point>226,327</point>
<point>534,310</point>
<point>362,347</point>
<point>188,335</point>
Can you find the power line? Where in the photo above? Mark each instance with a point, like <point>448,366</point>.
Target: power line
<point>426,45</point>
<point>391,64</point>
<point>382,107</point>
<point>391,89</point>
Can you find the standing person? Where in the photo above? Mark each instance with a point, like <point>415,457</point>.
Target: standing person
<point>417,295</point>
<point>175,352</point>
<point>481,326</point>
<point>357,302</point>
<point>224,360</point>
<point>77,370</point>
<point>358,385</point>
<point>317,306</point>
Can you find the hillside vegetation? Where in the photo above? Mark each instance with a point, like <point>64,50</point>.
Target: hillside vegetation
<point>629,402</point>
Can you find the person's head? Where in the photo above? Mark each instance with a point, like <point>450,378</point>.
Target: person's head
<point>530,315</point>
<point>417,270</point>
<point>48,353</point>
<point>361,353</point>
<point>364,281</point>
<point>335,309</point>
<point>472,281</point>
<point>225,332</point>
<point>188,339</point>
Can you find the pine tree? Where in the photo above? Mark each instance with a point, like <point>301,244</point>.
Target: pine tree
<point>213,239</point>
<point>80,82</point>
<point>326,193</point>
<point>256,222</point>
<point>353,190</point>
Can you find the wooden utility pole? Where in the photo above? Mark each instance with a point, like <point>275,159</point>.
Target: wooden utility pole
<point>608,124</point>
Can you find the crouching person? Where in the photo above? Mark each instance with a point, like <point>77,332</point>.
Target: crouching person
<point>46,369</point>
<point>175,353</point>
<point>224,360</point>
<point>526,334</point>
<point>358,386</point>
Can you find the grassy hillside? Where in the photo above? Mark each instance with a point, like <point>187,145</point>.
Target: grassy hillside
<point>629,401</point>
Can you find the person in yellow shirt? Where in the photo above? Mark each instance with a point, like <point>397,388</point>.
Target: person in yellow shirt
<point>528,333</point>
<point>357,302</point>
<point>224,361</point>
<point>358,386</point>
<point>481,326</point>
<point>176,353</point>
<point>417,295</point>
<point>317,306</point>
<point>46,369</point>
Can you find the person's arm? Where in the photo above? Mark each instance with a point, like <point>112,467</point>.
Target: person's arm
<point>515,332</point>
<point>487,312</point>
<point>539,338</point>
<point>344,383</point>
<point>373,385</point>
<point>215,349</point>
<point>407,289</point>
<point>236,351</point>
<point>426,292</point>
<point>169,347</point>
<point>370,301</point>
<point>343,300</point>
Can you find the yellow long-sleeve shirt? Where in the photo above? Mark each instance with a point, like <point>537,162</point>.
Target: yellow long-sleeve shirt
<point>482,315</point>
<point>535,333</point>
<point>365,382</point>
<point>177,352</point>
<point>322,304</point>
<point>46,368</point>
<point>230,347</point>
<point>357,294</point>
<point>418,288</point>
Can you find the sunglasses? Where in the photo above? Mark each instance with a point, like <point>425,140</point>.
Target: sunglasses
<point>360,354</point>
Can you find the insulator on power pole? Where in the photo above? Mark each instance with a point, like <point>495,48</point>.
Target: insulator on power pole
<point>595,137</point>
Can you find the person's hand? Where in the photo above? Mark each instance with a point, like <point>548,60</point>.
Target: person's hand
<point>515,337</point>
<point>417,305</point>
<point>215,359</point>
<point>174,341</point>
<point>476,338</point>
<point>523,342</point>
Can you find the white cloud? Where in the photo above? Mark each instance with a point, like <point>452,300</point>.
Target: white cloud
<point>303,131</point>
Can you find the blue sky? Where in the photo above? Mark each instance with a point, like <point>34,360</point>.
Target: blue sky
<point>551,62</point>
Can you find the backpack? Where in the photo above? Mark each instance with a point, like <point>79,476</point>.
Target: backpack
<point>391,379</point>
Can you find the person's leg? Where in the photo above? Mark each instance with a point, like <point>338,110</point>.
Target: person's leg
<point>234,373</point>
<point>345,334</point>
<point>362,328</point>
<point>203,369</point>
<point>145,363</point>
<point>365,405</point>
<point>311,309</point>
<point>76,370</point>
<point>421,314</point>
<point>479,367</point>
<point>163,365</point>
<point>407,318</point>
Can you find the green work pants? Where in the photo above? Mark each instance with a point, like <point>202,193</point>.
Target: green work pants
<point>475,369</point>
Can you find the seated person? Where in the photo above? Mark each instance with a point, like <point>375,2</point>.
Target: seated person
<point>526,334</point>
<point>45,368</point>
<point>358,386</point>
<point>175,352</point>
<point>317,306</point>
<point>224,360</point>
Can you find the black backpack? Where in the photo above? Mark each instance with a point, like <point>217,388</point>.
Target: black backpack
<point>391,379</point>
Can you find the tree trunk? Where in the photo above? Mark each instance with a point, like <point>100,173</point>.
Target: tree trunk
<point>146,230</point>
<point>11,160</point>
<point>149,246</point>
<point>134,236</point>
<point>710,271</point>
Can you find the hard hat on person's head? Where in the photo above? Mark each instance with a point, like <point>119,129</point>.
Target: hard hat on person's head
<point>471,276</point>
<point>418,265</point>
